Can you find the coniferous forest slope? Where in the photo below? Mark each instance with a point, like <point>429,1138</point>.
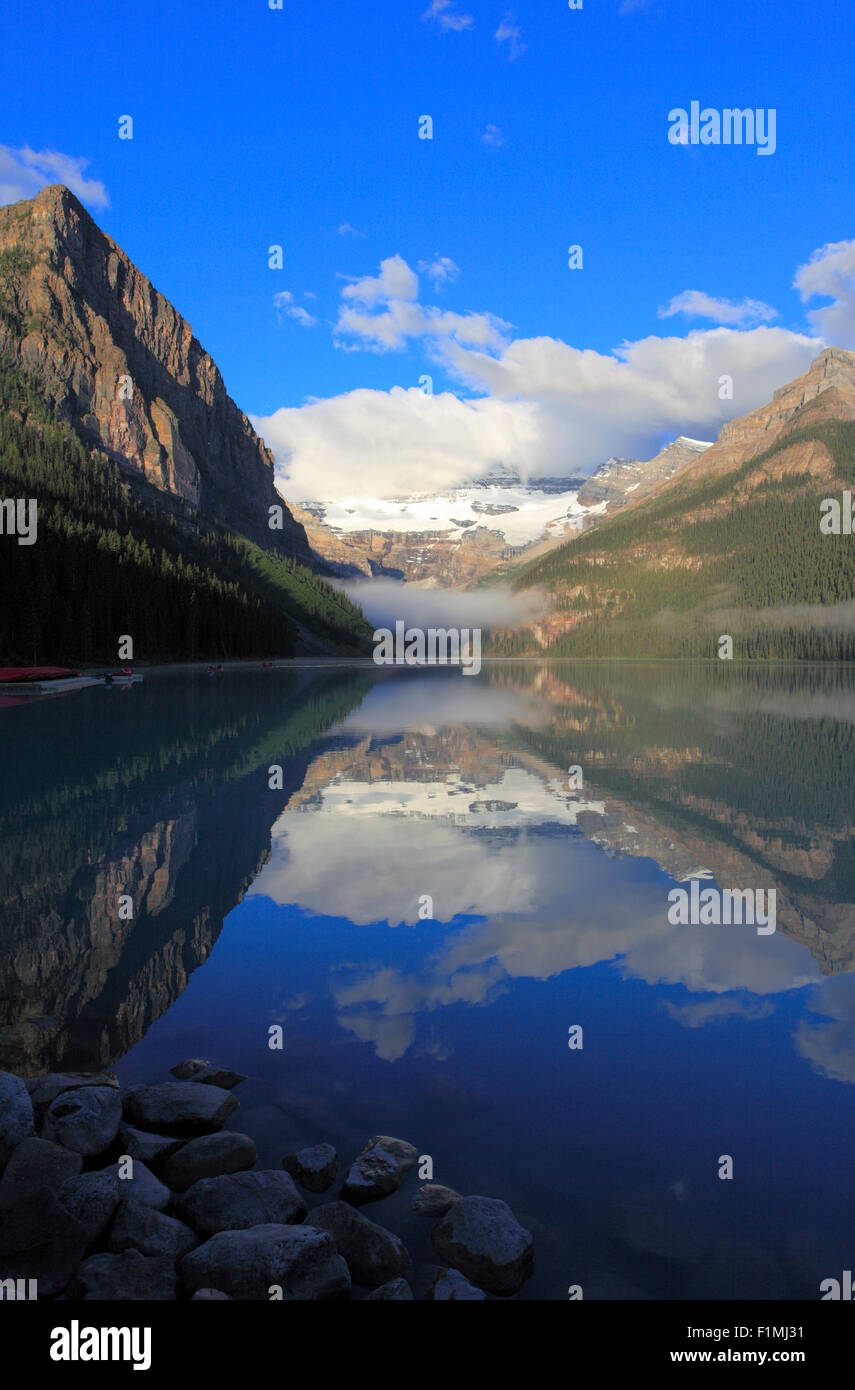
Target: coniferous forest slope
<point>153,492</point>
<point>733,546</point>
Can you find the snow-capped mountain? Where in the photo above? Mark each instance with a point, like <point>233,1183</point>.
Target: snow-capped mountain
<point>455,537</point>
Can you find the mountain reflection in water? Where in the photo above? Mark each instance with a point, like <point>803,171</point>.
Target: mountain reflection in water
<point>428,904</point>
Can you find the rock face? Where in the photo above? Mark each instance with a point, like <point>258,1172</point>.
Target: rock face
<point>122,366</point>
<point>481,1237</point>
<point>378,1169</point>
<point>299,1260</point>
<point>619,480</point>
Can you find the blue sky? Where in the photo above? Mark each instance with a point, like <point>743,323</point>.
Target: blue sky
<point>255,127</point>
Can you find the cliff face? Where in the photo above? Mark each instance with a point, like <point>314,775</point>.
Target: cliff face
<point>122,367</point>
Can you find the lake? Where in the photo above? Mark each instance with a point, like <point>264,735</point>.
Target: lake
<point>466,944</point>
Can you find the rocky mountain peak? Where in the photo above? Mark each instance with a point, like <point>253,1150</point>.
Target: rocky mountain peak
<point>124,369</point>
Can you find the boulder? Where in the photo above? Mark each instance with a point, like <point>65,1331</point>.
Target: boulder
<point>179,1107</point>
<point>148,1148</point>
<point>91,1198</point>
<point>396,1289</point>
<point>434,1200</point>
<point>210,1156</point>
<point>300,1260</point>
<point>85,1120</point>
<point>482,1238</point>
<point>238,1201</point>
<point>138,1227</point>
<point>37,1163</point>
<point>129,1277</point>
<point>142,1187</point>
<point>45,1089</point>
<point>40,1240</point>
<point>373,1254</point>
<point>378,1170</point>
<point>16,1115</point>
<point>449,1286</point>
<point>314,1168</point>
<point>210,1296</point>
<point>197,1069</point>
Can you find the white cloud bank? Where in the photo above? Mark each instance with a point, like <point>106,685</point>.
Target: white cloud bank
<point>538,405</point>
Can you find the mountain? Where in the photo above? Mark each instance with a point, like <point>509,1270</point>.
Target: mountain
<point>79,317</point>
<point>458,537</point>
<point>619,478</point>
<point>153,490</point>
<point>730,544</point>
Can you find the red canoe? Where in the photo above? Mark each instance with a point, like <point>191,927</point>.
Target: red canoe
<point>8,674</point>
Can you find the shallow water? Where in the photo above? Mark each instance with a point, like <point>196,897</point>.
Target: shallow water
<point>405,793</point>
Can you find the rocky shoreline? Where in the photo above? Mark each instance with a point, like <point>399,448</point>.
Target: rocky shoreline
<point>142,1193</point>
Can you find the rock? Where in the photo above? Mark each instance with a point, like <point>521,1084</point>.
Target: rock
<point>236,1202</point>
<point>300,1260</point>
<point>85,1120</point>
<point>45,1089</point>
<point>449,1286</point>
<point>196,1069</point>
<point>16,1115</point>
<point>179,1107</point>
<point>211,1156</point>
<point>37,1163</point>
<point>40,1240</point>
<point>91,1198</point>
<point>128,1277</point>
<point>482,1238</point>
<point>373,1254</point>
<point>148,1148</point>
<point>378,1170</point>
<point>434,1200</point>
<point>143,1187</point>
<point>138,1227</point>
<point>397,1289</point>
<point>210,1296</point>
<point>315,1168</point>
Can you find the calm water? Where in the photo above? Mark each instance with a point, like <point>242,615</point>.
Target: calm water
<point>304,905</point>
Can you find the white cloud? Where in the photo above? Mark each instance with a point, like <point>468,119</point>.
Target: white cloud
<point>446,17</point>
<point>347,230</point>
<point>548,408</point>
<point>24,172</point>
<point>695,304</point>
<point>382,312</point>
<point>493,136</point>
<point>510,33</point>
<point>380,443</point>
<point>831,272</point>
<point>440,270</point>
<point>284,301</point>
<point>395,281</point>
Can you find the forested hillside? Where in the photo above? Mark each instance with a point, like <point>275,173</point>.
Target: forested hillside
<point>112,558</point>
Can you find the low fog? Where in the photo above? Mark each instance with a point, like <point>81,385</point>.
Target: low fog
<point>387,601</point>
